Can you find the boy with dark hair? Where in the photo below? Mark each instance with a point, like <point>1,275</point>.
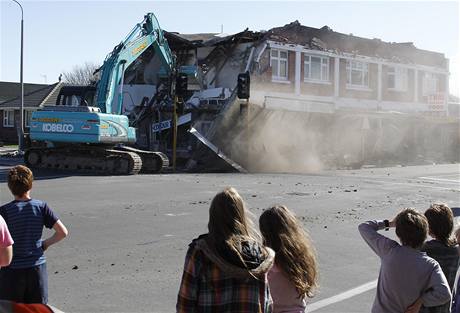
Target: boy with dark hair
<point>443,248</point>
<point>25,279</point>
<point>408,278</point>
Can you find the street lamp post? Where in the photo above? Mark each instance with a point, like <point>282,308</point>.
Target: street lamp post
<point>21,129</point>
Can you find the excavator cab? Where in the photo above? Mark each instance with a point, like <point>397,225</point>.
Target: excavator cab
<point>77,96</point>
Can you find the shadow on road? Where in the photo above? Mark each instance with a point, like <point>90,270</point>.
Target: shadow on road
<point>42,174</point>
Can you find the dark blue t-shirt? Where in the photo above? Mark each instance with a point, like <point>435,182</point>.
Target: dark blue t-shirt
<point>25,220</point>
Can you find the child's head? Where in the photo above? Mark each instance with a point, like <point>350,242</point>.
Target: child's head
<point>411,227</point>
<point>441,221</point>
<point>294,251</point>
<point>227,216</point>
<point>20,180</point>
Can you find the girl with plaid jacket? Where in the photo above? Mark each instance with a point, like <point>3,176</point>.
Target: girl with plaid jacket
<point>226,269</point>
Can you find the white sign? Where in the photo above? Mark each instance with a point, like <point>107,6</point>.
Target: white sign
<point>168,123</point>
<point>57,128</point>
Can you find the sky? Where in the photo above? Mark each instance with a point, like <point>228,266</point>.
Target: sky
<point>61,34</point>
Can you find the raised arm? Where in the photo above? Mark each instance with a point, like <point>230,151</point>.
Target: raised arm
<point>380,244</point>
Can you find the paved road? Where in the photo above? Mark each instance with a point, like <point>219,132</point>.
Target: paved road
<point>129,234</point>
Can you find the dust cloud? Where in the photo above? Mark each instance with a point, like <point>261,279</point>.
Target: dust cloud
<point>279,141</point>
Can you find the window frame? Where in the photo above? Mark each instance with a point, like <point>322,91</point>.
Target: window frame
<point>400,78</point>
<point>27,117</point>
<point>278,59</point>
<point>323,65</point>
<point>6,118</point>
<point>433,78</point>
<point>352,66</point>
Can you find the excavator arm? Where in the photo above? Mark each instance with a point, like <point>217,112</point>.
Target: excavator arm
<point>145,34</point>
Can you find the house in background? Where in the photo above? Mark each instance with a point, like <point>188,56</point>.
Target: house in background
<point>10,90</point>
<point>388,100</point>
<point>320,70</point>
<point>10,109</point>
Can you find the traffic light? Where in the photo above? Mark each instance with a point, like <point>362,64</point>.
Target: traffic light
<point>244,82</point>
<point>181,85</point>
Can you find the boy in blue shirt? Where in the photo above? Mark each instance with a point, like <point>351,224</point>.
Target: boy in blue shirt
<point>25,280</point>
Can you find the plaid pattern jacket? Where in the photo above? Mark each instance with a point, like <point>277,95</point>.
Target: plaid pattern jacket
<point>210,284</point>
<point>448,259</point>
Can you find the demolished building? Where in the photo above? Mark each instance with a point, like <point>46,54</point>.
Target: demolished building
<point>319,99</point>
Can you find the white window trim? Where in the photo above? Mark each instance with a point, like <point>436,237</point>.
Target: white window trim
<point>27,120</point>
<point>277,78</point>
<point>313,80</point>
<point>397,71</point>
<point>353,57</point>
<point>280,81</point>
<point>5,118</point>
<point>424,83</point>
<point>358,87</point>
<point>365,85</point>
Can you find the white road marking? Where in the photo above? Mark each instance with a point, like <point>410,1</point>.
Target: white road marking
<point>441,179</point>
<point>177,214</point>
<point>411,184</point>
<point>448,175</point>
<point>341,296</point>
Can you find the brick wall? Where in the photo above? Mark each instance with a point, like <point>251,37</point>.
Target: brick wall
<point>10,134</point>
<point>263,80</point>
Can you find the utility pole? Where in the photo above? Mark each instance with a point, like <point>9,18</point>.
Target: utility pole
<point>174,122</point>
<point>21,128</point>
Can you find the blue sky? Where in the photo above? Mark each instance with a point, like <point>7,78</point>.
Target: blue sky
<point>61,34</point>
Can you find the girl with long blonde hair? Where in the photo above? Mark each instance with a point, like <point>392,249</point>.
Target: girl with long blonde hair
<point>294,277</point>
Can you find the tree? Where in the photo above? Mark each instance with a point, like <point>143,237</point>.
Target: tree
<point>81,74</point>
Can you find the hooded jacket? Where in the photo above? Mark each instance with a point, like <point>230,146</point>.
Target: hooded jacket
<point>217,279</point>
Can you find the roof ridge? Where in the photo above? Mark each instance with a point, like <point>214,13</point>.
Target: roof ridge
<point>58,84</point>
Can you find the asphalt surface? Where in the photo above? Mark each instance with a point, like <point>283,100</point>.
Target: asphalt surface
<point>129,235</point>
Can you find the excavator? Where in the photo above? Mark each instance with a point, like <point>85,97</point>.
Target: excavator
<point>86,130</point>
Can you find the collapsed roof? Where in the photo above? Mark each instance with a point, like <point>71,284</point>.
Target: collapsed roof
<point>176,40</point>
<point>324,39</point>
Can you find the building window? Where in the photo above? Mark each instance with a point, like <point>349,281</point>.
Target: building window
<point>8,118</point>
<point>316,68</point>
<point>397,78</point>
<point>279,64</point>
<point>430,84</point>
<point>357,74</point>
<point>27,117</point>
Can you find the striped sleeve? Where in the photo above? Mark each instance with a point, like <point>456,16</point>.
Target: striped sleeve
<point>49,217</point>
<point>189,287</point>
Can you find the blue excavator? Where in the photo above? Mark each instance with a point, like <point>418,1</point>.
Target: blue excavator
<point>86,130</point>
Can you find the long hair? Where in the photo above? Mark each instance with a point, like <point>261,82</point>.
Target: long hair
<point>229,221</point>
<point>294,251</point>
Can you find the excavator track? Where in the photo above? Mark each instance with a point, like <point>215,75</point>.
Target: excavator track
<point>86,160</point>
<point>152,162</point>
